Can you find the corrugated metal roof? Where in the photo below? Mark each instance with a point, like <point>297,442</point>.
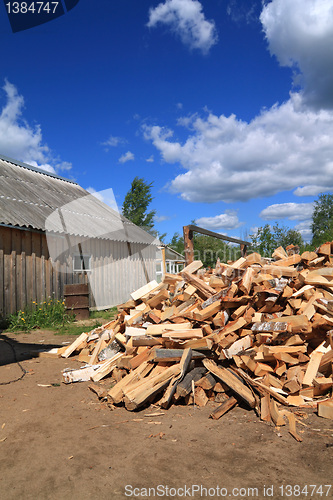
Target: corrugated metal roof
<point>32,198</point>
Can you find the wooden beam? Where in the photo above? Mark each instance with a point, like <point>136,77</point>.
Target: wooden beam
<point>206,232</point>
<point>188,245</point>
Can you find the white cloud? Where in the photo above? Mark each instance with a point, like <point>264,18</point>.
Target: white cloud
<point>229,159</point>
<point>228,220</point>
<point>243,10</point>
<point>43,166</point>
<point>305,229</point>
<point>186,19</point>
<point>126,157</point>
<point>312,190</point>
<point>286,147</point>
<point>19,140</point>
<point>291,211</point>
<point>161,218</point>
<point>150,159</point>
<point>113,141</point>
<point>300,34</point>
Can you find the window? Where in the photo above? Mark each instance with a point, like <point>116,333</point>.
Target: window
<point>81,263</point>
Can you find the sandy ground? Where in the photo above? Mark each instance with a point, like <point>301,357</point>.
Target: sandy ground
<point>60,442</point>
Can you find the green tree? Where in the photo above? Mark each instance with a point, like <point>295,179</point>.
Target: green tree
<point>285,236</point>
<point>177,243</point>
<point>136,204</point>
<point>322,220</point>
<point>207,249</point>
<point>268,238</point>
<point>263,241</point>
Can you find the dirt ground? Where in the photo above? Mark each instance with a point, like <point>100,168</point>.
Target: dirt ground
<point>60,442</point>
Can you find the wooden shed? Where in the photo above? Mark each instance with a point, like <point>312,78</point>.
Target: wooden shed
<point>53,232</point>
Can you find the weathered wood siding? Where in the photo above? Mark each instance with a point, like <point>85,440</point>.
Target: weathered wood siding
<point>28,272</point>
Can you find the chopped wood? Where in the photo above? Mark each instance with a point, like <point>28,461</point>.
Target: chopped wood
<point>158,355</point>
<point>325,409</point>
<point>185,386</point>
<point>265,404</point>
<point>200,397</point>
<point>75,345</point>
<point>231,380</point>
<point>184,363</point>
<point>133,400</point>
<point>193,267</point>
<point>106,367</point>
<point>276,415</point>
<point>80,375</point>
<point>207,382</point>
<point>223,408</point>
<point>292,425</point>
<point>255,328</point>
<point>195,333</point>
<point>100,391</point>
<point>312,367</point>
<point>198,284</point>
<point>144,290</point>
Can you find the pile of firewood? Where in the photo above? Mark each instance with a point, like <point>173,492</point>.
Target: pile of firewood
<point>255,332</point>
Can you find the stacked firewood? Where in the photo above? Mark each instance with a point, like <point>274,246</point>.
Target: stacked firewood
<point>256,332</point>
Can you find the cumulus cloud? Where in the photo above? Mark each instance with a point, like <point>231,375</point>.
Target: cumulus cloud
<point>305,229</point>
<point>311,190</point>
<point>187,21</point>
<point>19,140</point>
<point>113,141</point>
<point>300,35</point>
<point>228,220</point>
<point>126,157</point>
<point>150,159</point>
<point>286,147</point>
<point>231,160</point>
<point>291,211</point>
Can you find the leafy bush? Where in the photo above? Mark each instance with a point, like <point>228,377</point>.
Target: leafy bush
<point>48,314</point>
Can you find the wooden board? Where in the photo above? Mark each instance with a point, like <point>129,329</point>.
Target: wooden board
<point>144,290</point>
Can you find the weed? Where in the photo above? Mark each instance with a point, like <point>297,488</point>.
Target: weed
<point>50,313</point>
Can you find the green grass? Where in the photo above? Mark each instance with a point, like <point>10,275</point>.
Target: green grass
<point>74,329</point>
<point>52,315</point>
<point>108,314</point>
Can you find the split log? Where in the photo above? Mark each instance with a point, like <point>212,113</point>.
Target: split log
<point>200,285</point>
<point>231,380</point>
<point>223,408</point>
<point>184,364</point>
<point>185,386</point>
<point>152,386</point>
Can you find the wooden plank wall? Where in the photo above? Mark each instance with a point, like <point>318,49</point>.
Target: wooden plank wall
<point>26,271</point>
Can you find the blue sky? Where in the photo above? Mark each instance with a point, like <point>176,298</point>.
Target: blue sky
<point>225,105</point>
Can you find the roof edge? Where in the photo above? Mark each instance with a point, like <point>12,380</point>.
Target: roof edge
<point>35,169</point>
